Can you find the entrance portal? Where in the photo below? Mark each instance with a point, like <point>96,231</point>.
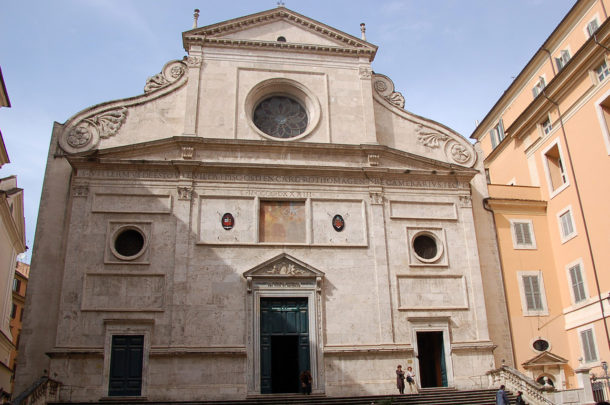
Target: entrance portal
<point>284,343</point>
<point>431,353</point>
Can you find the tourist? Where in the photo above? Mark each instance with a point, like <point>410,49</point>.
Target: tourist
<point>400,379</point>
<point>306,382</point>
<point>411,380</point>
<point>502,397</point>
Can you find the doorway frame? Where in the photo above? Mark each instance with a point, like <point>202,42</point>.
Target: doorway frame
<point>305,282</point>
<point>433,324</point>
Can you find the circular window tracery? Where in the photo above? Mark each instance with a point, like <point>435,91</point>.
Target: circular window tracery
<point>280,117</point>
<point>128,243</point>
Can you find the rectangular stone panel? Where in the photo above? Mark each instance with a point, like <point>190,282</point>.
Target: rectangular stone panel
<point>132,203</point>
<point>123,292</point>
<point>432,292</point>
<point>352,212</point>
<point>211,211</point>
<point>423,210</point>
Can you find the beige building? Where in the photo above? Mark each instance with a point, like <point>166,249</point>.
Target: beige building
<point>265,207</point>
<point>546,144</point>
<point>12,243</point>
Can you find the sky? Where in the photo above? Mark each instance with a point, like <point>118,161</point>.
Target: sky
<point>451,59</point>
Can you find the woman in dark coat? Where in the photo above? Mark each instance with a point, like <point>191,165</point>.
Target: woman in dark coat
<point>400,379</point>
<point>306,382</point>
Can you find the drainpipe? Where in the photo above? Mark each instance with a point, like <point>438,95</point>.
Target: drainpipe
<point>603,8</point>
<point>510,326</point>
<point>550,60</point>
<point>582,212</point>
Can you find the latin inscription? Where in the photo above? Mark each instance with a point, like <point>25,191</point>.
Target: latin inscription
<point>251,178</point>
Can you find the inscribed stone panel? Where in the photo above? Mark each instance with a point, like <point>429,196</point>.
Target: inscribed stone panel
<point>354,217</point>
<point>120,292</point>
<point>432,293</point>
<point>133,203</point>
<point>211,211</point>
<point>423,210</point>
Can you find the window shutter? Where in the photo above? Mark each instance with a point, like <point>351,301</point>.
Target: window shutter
<point>531,288</point>
<point>494,141</point>
<point>588,345</point>
<point>567,228</point>
<point>578,285</point>
<point>592,27</point>
<point>523,234</point>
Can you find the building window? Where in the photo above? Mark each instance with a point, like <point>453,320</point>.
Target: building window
<point>592,27</point>
<point>546,126</point>
<point>21,314</point>
<point>497,134</point>
<point>282,221</point>
<point>602,71</point>
<point>541,345</point>
<point>13,311</point>
<point>589,350</point>
<point>555,168</point>
<point>16,285</point>
<point>126,365</point>
<point>523,234</point>
<point>538,87</point>
<point>563,59</point>
<point>533,299</point>
<point>577,282</point>
<point>566,225</point>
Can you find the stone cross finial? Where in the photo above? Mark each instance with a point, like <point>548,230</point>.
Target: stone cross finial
<point>195,17</point>
<point>363,30</point>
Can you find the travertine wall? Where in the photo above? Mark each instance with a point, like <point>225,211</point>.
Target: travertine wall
<point>172,162</point>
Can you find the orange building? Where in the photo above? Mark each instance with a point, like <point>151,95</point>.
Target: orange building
<point>546,145</point>
<point>22,273</point>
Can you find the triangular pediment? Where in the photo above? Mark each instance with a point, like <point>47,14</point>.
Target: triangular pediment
<point>545,359</point>
<point>283,266</point>
<point>262,30</point>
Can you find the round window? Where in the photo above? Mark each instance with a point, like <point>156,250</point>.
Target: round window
<point>280,117</point>
<point>427,247</point>
<point>129,243</point>
<point>540,345</point>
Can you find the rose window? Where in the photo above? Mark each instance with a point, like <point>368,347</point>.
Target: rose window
<point>280,117</point>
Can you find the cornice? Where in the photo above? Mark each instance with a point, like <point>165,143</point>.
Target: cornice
<point>516,86</point>
<point>505,205</point>
<point>133,154</point>
<point>17,238</point>
<point>558,87</point>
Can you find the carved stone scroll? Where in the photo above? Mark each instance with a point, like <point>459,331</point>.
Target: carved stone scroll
<point>102,125</point>
<point>170,73</point>
<point>385,88</point>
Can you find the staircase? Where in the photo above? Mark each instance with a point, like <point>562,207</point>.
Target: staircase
<point>427,396</point>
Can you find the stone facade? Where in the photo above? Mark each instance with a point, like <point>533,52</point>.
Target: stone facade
<point>185,227</point>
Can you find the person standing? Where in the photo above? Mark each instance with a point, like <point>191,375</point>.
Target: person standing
<point>400,379</point>
<point>519,400</point>
<point>502,396</point>
<point>306,382</point>
<point>410,375</point>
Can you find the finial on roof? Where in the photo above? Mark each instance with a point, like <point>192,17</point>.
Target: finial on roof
<point>363,30</point>
<point>195,17</point>
<point>280,3</point>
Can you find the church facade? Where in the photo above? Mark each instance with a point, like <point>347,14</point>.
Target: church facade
<point>266,207</point>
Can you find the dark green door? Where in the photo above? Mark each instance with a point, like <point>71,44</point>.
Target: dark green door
<point>126,365</point>
<point>284,343</point>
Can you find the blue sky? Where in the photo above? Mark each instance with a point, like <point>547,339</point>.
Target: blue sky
<point>451,59</point>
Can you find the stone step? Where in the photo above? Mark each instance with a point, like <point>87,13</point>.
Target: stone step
<point>426,396</point>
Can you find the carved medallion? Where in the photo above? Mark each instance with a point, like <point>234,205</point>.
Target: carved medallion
<point>103,125</point>
<point>338,223</point>
<point>171,72</point>
<point>385,88</point>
